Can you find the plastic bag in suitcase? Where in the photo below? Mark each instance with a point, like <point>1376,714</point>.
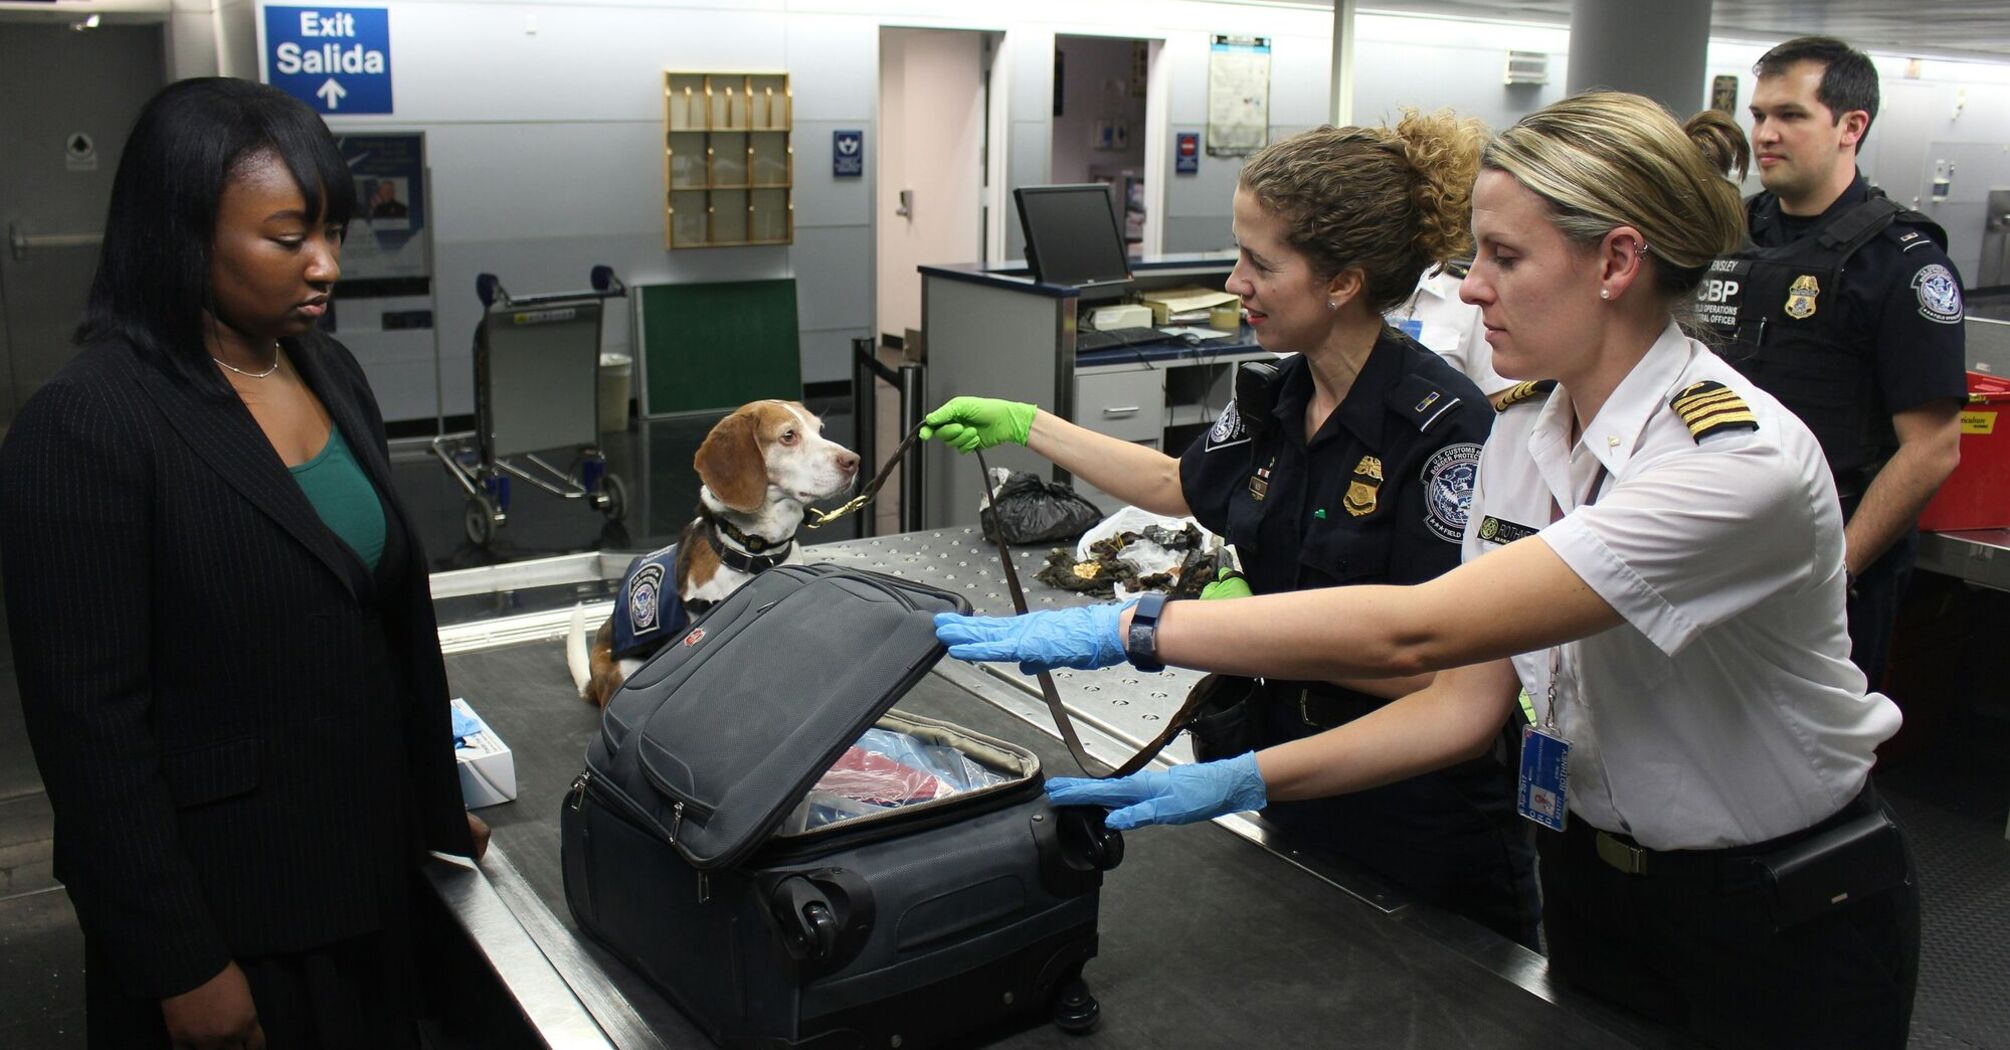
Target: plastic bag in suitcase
<point>900,929</point>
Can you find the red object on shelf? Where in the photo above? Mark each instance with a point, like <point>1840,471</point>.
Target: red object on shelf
<point>1977,494</point>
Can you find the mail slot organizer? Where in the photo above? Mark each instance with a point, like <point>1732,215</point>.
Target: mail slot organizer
<point>728,168</point>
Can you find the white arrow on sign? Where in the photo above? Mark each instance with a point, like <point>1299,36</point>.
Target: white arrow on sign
<point>331,93</point>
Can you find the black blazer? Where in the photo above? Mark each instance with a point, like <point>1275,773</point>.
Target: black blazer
<point>244,734</point>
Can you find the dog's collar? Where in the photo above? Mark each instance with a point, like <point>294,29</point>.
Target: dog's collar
<point>742,560</point>
<point>752,542</point>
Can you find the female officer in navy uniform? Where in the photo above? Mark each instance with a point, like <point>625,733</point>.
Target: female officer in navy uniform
<point>1656,555</point>
<point>1354,464</point>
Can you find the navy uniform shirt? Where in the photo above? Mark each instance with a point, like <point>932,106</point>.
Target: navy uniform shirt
<point>1900,306</point>
<point>1379,495</point>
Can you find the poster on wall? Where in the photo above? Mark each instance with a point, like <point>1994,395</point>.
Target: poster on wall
<point>1238,94</point>
<point>388,236</point>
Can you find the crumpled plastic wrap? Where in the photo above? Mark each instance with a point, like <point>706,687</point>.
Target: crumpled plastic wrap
<point>885,770</point>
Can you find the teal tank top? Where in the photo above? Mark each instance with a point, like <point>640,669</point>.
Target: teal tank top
<point>342,494</point>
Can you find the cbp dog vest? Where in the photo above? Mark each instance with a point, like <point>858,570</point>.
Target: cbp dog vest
<point>1775,314</point>
<point>647,610</point>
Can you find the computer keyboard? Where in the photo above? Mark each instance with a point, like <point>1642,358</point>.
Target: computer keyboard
<point>1094,339</point>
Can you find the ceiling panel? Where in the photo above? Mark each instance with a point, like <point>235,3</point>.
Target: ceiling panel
<point>1928,28</point>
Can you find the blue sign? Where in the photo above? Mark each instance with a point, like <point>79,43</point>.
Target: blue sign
<point>336,59</point>
<point>1186,156</point>
<point>847,154</point>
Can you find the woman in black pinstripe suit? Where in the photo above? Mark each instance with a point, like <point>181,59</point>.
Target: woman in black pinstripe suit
<point>221,624</point>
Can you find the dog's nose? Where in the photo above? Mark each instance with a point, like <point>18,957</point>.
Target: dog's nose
<point>848,462</point>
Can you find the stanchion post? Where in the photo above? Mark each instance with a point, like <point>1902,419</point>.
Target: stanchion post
<point>864,413</point>
<point>912,391</point>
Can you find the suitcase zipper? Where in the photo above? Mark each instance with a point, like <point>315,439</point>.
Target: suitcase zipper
<point>583,783</point>
<point>887,827</point>
<point>586,782</point>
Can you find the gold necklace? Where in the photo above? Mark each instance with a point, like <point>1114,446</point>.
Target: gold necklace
<point>251,375</point>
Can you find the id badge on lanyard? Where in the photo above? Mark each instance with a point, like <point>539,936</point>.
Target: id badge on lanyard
<point>1542,790</point>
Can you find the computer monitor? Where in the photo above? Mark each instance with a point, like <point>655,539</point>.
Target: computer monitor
<point>1072,236</point>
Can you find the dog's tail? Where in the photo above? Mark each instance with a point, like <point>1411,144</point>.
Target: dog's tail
<point>575,650</point>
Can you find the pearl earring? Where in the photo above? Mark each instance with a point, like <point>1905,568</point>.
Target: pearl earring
<point>1331,305</point>
<point>1605,293</point>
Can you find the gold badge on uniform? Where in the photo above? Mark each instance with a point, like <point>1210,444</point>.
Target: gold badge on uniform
<point>1259,484</point>
<point>1361,491</point>
<point>1801,297</point>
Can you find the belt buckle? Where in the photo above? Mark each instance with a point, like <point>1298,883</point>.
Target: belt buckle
<point>1630,859</point>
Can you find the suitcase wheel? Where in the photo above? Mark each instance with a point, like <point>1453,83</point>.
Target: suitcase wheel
<point>823,916</point>
<point>1075,1010</point>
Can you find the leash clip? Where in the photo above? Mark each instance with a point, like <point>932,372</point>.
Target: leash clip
<point>821,518</point>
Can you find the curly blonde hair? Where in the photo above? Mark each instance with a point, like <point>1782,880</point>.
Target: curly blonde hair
<point>1390,201</point>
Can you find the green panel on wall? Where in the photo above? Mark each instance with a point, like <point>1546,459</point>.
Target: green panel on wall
<point>715,347</point>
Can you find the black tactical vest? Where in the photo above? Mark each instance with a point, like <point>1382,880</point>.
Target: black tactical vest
<point>1776,315</point>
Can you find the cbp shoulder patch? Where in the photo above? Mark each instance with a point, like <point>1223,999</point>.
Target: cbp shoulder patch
<point>1229,429</point>
<point>1526,391</point>
<point>1449,477</point>
<point>1710,407</point>
<point>1939,294</point>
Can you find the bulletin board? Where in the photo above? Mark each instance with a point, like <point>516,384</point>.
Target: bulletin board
<point>1238,94</point>
<point>715,347</point>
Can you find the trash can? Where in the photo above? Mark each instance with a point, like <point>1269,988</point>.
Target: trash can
<point>617,377</point>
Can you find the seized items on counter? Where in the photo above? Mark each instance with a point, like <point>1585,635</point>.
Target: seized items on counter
<point>1153,558</point>
<point>1033,511</point>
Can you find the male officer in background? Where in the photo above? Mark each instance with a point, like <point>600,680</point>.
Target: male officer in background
<point>1846,308</point>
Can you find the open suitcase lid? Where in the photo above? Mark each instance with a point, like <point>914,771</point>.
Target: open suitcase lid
<point>726,729</point>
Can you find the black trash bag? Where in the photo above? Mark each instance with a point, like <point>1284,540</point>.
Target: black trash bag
<point>1035,511</point>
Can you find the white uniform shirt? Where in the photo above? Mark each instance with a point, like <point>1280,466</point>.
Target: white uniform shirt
<point>1451,329</point>
<point>1724,711</point>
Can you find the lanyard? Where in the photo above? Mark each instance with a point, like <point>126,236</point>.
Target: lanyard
<point>1556,651</point>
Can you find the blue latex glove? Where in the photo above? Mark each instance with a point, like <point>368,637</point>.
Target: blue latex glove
<point>464,725</point>
<point>1084,637</point>
<point>1180,795</point>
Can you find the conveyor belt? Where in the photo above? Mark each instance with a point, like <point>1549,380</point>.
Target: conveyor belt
<point>1207,939</point>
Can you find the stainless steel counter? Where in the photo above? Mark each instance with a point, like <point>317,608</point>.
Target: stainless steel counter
<point>1981,557</point>
<point>1208,938</point>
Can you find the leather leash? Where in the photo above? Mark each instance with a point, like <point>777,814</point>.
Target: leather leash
<point>1088,764</point>
<point>819,519</point>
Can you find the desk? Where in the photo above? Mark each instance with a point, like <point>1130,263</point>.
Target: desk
<point>1000,333</point>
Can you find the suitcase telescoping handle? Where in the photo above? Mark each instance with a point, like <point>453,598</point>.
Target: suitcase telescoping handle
<point>1066,725</point>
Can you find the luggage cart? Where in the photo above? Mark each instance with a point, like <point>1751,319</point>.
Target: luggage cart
<point>537,388</point>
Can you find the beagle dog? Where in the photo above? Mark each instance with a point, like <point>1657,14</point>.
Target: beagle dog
<point>758,469</point>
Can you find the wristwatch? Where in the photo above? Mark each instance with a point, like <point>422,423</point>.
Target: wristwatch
<point>1141,642</point>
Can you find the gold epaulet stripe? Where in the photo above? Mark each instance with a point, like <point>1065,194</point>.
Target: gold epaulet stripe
<point>1525,390</point>
<point>1710,407</point>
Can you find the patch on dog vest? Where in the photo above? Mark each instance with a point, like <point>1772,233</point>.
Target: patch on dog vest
<point>647,610</point>
<point>1710,407</point>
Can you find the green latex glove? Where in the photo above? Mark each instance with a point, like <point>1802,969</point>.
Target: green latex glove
<point>968,424</point>
<point>1232,585</point>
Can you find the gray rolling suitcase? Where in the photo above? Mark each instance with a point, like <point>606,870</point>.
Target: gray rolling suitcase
<point>906,928</point>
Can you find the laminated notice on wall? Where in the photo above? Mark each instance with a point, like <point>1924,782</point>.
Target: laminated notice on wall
<point>1238,94</point>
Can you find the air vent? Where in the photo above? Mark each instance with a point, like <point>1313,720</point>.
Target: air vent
<point>1527,67</point>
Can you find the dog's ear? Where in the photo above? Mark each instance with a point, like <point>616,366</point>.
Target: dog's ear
<point>731,465</point>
